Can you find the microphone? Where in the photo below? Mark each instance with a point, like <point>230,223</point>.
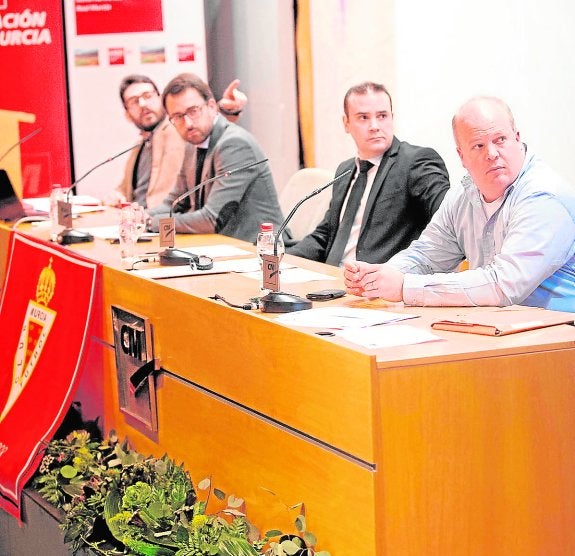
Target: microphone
<point>25,138</point>
<point>175,257</point>
<point>276,301</point>
<point>75,183</point>
<point>69,235</point>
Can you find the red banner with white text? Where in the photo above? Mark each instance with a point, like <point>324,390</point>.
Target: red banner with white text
<point>33,96</point>
<point>45,314</point>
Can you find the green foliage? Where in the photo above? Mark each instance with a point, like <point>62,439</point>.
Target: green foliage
<point>119,502</point>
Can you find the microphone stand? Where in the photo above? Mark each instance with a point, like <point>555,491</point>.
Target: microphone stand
<point>171,256</point>
<point>70,235</point>
<point>25,138</point>
<point>277,301</point>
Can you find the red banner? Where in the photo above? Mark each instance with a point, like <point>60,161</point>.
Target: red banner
<point>45,316</point>
<point>33,95</point>
<point>97,17</point>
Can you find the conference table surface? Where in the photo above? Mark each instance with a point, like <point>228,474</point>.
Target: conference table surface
<point>238,289</point>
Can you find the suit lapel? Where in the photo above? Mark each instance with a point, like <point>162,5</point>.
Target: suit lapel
<point>219,127</point>
<point>382,172</point>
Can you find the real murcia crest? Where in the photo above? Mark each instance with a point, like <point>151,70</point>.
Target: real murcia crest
<point>35,330</point>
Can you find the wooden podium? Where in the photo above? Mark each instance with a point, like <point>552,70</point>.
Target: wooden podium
<point>456,447</point>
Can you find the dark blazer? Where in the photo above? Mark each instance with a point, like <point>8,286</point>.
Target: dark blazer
<point>235,205</point>
<point>408,188</point>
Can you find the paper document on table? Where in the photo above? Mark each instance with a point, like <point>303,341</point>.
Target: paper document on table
<point>388,336</point>
<point>86,200</point>
<point>252,266</point>
<point>110,232</point>
<point>342,317</point>
<point>215,251</point>
<point>290,274</point>
<point>159,272</point>
<point>85,203</point>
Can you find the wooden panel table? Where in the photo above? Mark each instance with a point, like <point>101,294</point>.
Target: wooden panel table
<point>460,446</point>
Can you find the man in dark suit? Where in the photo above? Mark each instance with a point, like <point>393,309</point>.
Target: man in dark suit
<point>234,205</point>
<point>393,202</point>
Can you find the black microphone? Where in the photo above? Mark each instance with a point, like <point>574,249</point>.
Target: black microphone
<point>25,138</point>
<point>69,235</point>
<point>276,301</point>
<point>224,174</point>
<point>174,257</point>
<point>75,183</point>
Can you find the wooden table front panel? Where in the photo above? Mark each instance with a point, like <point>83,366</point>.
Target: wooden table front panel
<point>478,456</point>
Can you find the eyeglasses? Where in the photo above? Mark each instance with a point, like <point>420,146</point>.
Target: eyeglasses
<point>134,102</point>
<point>192,112</point>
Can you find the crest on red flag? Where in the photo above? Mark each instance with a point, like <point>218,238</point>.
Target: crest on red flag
<point>37,324</point>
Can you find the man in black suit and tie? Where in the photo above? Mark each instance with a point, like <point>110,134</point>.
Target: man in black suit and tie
<point>392,193</point>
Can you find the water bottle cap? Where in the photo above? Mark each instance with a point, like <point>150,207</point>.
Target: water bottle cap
<point>266,227</point>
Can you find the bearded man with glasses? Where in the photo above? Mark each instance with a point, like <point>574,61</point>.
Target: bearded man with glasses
<point>152,170</point>
<point>234,205</point>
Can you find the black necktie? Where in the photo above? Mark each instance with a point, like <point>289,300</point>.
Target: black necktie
<point>341,237</point>
<point>136,165</point>
<point>199,195</point>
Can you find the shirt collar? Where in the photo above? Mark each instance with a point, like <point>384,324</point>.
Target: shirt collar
<point>376,161</point>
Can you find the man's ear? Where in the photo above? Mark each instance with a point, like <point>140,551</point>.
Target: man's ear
<point>345,121</point>
<point>460,155</point>
<point>128,117</point>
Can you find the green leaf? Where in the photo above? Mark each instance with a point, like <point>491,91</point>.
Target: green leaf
<point>73,489</point>
<point>290,547</point>
<point>300,523</point>
<point>204,484</point>
<point>309,538</point>
<point>234,502</point>
<point>157,510</point>
<point>68,471</point>
<point>111,508</point>
<point>273,533</point>
<point>161,467</point>
<point>219,494</point>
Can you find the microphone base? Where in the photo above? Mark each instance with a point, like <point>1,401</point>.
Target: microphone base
<point>280,302</point>
<point>70,236</point>
<point>175,257</point>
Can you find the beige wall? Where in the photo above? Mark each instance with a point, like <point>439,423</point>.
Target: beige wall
<point>435,55</point>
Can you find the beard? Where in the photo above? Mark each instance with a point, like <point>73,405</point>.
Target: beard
<point>149,127</point>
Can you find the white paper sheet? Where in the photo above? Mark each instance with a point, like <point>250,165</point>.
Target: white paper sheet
<point>290,275</point>
<point>342,317</point>
<point>80,204</point>
<point>159,272</point>
<point>252,267</point>
<point>388,336</point>
<point>216,251</point>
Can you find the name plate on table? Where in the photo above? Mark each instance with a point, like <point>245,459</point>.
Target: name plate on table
<point>167,228</point>
<point>271,272</point>
<point>136,367</point>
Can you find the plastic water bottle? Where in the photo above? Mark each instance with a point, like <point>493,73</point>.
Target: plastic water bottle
<point>57,193</point>
<point>265,244</point>
<point>128,237</point>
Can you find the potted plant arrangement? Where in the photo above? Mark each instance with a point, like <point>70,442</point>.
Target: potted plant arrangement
<point>116,501</point>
